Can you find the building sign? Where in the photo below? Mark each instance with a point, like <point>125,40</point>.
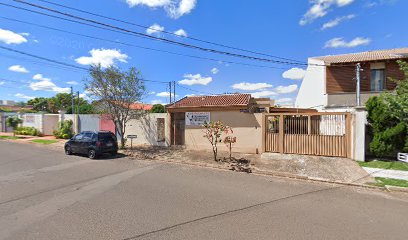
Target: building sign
<point>403,157</point>
<point>197,118</point>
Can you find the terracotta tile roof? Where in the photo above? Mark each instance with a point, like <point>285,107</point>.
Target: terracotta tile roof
<point>227,100</point>
<point>141,106</point>
<point>397,53</point>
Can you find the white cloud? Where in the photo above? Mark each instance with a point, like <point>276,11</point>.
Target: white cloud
<point>284,100</point>
<point>46,84</point>
<point>104,57</point>
<point>174,8</point>
<point>165,94</point>
<point>251,86</point>
<point>10,37</point>
<point>181,33</point>
<point>341,43</point>
<point>156,101</point>
<point>40,77</point>
<point>262,94</point>
<point>2,83</point>
<point>294,74</point>
<point>20,95</point>
<point>196,79</point>
<point>72,83</point>
<point>215,70</point>
<point>286,89</point>
<point>337,21</point>
<point>18,68</point>
<point>320,8</point>
<point>155,29</point>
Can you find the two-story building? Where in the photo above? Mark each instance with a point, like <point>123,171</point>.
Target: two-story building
<point>330,81</point>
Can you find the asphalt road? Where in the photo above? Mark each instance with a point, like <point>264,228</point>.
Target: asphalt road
<point>47,195</point>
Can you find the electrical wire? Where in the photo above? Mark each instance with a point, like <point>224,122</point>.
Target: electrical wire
<point>138,46</point>
<point>163,31</point>
<point>157,38</point>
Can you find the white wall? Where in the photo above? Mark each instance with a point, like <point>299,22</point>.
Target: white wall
<point>146,130</point>
<point>312,90</point>
<point>33,120</point>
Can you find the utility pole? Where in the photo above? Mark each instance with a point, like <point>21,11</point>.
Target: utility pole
<point>170,91</point>
<point>72,100</point>
<point>78,102</point>
<point>174,90</point>
<point>358,80</point>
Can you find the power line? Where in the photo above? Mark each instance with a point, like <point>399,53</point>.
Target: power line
<point>197,91</point>
<point>163,31</point>
<point>62,63</point>
<point>138,46</point>
<point>159,38</point>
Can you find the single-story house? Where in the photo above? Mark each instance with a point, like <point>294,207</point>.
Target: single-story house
<point>239,111</point>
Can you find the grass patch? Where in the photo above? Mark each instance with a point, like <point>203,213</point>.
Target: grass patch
<point>385,165</point>
<point>44,141</point>
<point>381,182</point>
<point>9,137</point>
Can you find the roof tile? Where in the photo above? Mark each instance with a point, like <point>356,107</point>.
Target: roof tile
<point>226,100</point>
<point>397,53</point>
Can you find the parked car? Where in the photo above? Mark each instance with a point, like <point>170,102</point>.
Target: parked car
<point>93,144</point>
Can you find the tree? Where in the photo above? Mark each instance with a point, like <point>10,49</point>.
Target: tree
<point>388,118</point>
<point>158,108</point>
<point>115,90</point>
<point>213,132</point>
<point>21,104</point>
<point>39,104</point>
<point>13,122</point>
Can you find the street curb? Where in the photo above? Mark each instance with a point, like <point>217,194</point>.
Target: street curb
<point>283,175</point>
<point>396,189</point>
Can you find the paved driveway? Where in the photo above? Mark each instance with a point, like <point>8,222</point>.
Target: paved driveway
<point>47,195</point>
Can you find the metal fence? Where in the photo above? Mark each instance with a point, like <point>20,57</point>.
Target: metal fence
<point>324,134</point>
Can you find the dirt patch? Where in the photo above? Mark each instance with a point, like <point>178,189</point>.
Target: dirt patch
<point>323,168</point>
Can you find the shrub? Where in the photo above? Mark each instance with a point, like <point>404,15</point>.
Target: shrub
<point>388,119</point>
<point>30,131</point>
<point>64,130</point>
<point>13,122</point>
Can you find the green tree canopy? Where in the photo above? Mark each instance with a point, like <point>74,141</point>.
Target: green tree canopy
<point>158,108</point>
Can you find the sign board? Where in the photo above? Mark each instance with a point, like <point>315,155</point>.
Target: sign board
<point>131,136</point>
<point>403,157</point>
<point>197,118</point>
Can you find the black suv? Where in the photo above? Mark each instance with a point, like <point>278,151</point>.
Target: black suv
<point>92,144</point>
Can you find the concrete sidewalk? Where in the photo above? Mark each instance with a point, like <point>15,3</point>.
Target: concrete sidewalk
<point>386,173</point>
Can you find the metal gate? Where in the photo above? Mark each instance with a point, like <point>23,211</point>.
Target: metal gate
<point>323,134</point>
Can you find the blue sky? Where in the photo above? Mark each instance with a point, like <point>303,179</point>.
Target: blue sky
<point>295,29</point>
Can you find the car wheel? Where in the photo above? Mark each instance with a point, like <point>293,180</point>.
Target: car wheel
<point>92,154</point>
<point>68,150</point>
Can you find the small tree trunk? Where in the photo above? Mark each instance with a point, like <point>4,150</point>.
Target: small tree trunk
<point>215,151</point>
<point>230,149</point>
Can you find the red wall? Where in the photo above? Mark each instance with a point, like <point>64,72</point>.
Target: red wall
<point>106,124</point>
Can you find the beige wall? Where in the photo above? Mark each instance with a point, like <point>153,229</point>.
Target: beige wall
<point>247,128</point>
<point>50,123</point>
<point>348,99</point>
<point>146,130</point>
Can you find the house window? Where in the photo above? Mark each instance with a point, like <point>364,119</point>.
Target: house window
<point>377,80</point>
<point>160,130</point>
